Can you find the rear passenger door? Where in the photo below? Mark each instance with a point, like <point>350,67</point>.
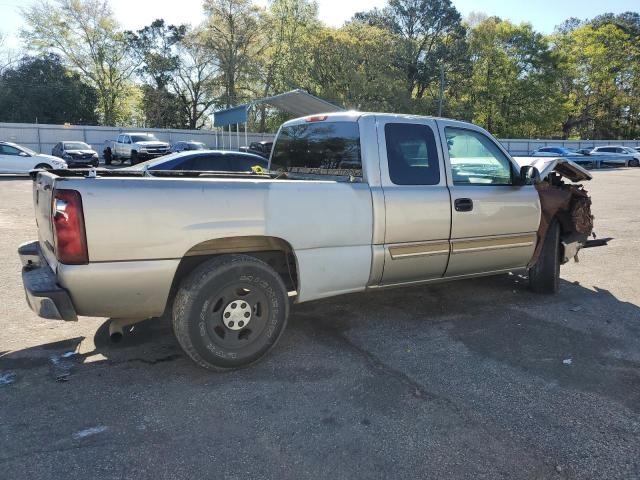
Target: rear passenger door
<point>417,204</point>
<point>494,221</point>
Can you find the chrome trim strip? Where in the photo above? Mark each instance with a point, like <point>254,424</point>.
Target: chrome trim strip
<point>422,249</point>
<point>468,245</point>
<point>447,279</point>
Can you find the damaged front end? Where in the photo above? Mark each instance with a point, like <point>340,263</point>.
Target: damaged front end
<point>568,202</point>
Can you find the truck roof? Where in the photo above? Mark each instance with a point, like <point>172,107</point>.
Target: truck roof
<point>354,116</point>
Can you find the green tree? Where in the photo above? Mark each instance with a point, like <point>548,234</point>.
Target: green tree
<point>233,38</point>
<point>196,82</point>
<point>284,64</point>
<point>601,78</point>
<point>514,89</point>
<point>354,67</point>
<point>43,90</point>
<point>87,38</point>
<point>155,49</point>
<point>433,38</point>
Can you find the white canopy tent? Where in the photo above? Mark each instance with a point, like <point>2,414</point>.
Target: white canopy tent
<point>297,102</point>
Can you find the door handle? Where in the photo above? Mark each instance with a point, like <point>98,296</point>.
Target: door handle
<point>463,204</point>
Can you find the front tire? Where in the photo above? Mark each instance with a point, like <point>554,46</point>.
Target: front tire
<point>134,157</point>
<point>43,166</point>
<point>544,276</point>
<point>634,163</point>
<point>230,311</point>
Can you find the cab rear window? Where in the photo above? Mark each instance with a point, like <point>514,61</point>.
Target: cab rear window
<point>318,148</point>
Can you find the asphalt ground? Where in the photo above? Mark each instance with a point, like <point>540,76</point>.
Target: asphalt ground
<point>473,379</point>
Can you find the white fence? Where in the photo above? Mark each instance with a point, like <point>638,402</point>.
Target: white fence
<point>42,138</point>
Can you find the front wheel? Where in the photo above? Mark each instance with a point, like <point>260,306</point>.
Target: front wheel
<point>634,163</point>
<point>134,157</point>
<point>230,311</point>
<point>544,276</point>
<point>43,166</point>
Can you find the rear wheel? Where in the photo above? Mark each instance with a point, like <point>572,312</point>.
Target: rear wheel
<point>230,312</point>
<point>544,276</point>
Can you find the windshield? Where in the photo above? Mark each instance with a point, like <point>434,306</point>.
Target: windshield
<point>24,149</point>
<point>144,137</point>
<point>76,146</point>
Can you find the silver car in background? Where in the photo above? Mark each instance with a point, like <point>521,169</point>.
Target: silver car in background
<point>628,156</point>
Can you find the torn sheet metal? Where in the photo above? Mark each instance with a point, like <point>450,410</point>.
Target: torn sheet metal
<point>562,166</point>
<point>571,205</point>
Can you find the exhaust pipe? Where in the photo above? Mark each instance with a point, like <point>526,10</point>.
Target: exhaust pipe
<point>116,326</point>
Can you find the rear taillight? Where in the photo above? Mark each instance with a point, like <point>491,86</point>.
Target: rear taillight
<point>68,228</point>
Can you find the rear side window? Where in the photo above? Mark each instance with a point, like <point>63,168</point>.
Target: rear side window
<point>319,148</point>
<point>412,154</point>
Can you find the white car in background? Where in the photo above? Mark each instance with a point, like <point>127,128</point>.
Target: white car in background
<point>18,159</point>
<point>634,161</point>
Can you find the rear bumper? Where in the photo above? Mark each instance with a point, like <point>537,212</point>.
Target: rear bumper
<point>44,296</point>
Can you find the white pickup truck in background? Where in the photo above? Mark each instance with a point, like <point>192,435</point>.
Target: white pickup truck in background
<point>353,202</point>
<point>135,147</point>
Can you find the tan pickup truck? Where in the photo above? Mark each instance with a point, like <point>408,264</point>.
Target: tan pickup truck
<point>353,202</point>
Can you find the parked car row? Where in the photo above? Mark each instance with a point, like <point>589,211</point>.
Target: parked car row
<point>15,158</point>
<point>157,155</point>
<point>609,154</point>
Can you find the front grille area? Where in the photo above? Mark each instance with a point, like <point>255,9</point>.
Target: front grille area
<point>157,150</point>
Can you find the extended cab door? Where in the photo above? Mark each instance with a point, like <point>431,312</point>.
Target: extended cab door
<point>416,199</point>
<point>493,220</point>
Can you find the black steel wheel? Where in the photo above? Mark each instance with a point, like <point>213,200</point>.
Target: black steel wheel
<point>230,312</point>
<point>544,276</point>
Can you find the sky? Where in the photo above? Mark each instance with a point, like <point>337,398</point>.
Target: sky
<point>544,15</point>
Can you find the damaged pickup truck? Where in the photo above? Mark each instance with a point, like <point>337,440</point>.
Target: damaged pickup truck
<point>353,202</point>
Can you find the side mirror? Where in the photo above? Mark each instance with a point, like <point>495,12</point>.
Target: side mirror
<point>529,175</point>
<point>24,154</point>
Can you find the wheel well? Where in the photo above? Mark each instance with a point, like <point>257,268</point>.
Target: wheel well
<point>275,252</point>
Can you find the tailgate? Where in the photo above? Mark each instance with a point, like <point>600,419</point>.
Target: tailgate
<point>43,185</point>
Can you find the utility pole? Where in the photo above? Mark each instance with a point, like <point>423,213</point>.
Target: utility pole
<point>441,89</point>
